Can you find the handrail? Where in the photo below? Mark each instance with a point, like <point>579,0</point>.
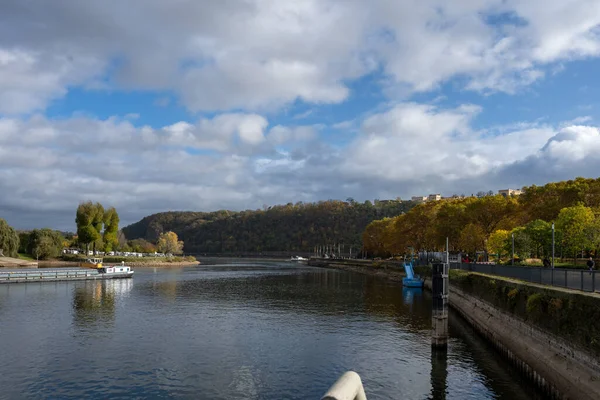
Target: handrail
<point>348,387</point>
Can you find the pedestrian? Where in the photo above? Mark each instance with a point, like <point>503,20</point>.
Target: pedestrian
<point>591,264</point>
<point>547,263</point>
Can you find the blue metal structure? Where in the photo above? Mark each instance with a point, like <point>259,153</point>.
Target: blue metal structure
<point>411,279</point>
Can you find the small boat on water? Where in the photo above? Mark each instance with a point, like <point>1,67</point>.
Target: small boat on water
<point>298,259</point>
<point>96,263</point>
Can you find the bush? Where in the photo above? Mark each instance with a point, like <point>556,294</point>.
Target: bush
<point>9,240</point>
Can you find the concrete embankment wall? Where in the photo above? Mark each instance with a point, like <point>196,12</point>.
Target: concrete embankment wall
<point>551,335</point>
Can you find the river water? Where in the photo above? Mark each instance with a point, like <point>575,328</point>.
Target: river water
<point>243,330</point>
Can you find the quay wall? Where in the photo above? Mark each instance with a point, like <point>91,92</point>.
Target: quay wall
<point>551,335</point>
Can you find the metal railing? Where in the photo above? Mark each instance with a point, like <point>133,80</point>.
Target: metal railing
<point>347,387</point>
<point>20,276</point>
<point>576,279</point>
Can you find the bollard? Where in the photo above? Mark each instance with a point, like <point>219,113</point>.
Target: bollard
<point>439,314</point>
<point>347,387</point>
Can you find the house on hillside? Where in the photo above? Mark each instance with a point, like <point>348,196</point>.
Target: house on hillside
<point>419,199</point>
<point>510,192</point>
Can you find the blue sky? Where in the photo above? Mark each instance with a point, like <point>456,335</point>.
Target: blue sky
<point>203,105</point>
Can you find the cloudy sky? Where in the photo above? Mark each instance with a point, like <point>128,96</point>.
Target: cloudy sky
<point>153,105</point>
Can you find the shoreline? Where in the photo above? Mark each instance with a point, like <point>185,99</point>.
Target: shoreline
<point>390,273</point>
<point>136,264</point>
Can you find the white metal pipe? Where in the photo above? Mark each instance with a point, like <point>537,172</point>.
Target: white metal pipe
<point>348,387</point>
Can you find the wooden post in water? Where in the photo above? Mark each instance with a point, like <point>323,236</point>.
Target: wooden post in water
<point>439,315</point>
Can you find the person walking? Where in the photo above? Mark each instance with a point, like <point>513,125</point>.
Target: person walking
<point>591,264</point>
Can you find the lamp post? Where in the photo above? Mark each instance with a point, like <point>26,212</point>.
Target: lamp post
<point>513,249</point>
<point>553,245</point>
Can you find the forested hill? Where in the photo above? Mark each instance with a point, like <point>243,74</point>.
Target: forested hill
<point>292,227</point>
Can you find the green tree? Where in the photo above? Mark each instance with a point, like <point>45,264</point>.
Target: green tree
<point>497,242</point>
<point>168,242</point>
<point>592,233</point>
<point>9,240</point>
<point>540,235</point>
<point>45,243</point>
<point>523,244</point>
<point>111,229</point>
<point>98,224</point>
<point>573,223</point>
<point>24,242</point>
<point>85,216</point>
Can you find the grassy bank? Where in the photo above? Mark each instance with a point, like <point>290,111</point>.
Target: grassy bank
<point>571,315</point>
<point>26,257</point>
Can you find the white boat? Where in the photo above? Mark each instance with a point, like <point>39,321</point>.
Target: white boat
<point>121,270</point>
<point>298,258</point>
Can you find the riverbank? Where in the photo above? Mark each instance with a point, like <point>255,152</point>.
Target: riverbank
<point>387,271</point>
<point>136,264</point>
<point>9,262</point>
<point>548,333</point>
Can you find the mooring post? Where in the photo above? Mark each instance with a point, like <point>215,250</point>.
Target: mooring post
<point>439,314</point>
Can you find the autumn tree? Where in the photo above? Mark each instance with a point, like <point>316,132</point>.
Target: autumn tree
<point>472,238</point>
<point>168,242</point>
<point>142,246</point>
<point>375,236</point>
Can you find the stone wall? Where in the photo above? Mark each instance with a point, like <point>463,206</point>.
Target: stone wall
<point>550,335</point>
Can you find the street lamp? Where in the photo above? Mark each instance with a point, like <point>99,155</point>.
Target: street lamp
<point>553,245</point>
<point>513,249</point>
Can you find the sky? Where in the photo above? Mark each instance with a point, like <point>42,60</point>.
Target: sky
<point>153,105</point>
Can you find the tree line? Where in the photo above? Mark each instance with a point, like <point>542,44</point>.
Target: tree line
<point>489,223</point>
<point>96,226</point>
<point>290,228</point>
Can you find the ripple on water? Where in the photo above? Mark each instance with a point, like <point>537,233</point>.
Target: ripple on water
<point>253,331</point>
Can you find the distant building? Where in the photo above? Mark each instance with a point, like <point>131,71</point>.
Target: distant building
<point>434,197</point>
<point>510,192</point>
<point>419,199</point>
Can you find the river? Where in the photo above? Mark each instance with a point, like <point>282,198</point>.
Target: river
<point>237,330</point>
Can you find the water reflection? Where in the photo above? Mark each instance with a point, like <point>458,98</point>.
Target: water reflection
<point>439,373</point>
<point>250,332</point>
<point>94,302</point>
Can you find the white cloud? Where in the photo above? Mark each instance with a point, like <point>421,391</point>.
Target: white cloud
<point>30,79</point>
<point>47,166</point>
<point>261,54</point>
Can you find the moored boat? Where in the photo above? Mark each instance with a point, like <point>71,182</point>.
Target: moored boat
<point>96,263</point>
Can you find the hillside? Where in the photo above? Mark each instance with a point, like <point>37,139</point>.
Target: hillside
<point>488,223</point>
<point>291,228</point>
